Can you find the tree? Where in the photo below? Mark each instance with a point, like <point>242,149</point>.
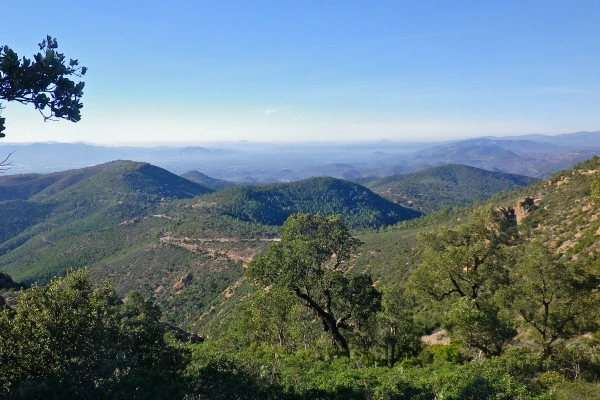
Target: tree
<point>470,263</point>
<point>273,317</point>
<point>311,260</point>
<point>398,334</point>
<point>69,340</point>
<point>556,299</point>
<point>43,82</point>
<point>479,324</point>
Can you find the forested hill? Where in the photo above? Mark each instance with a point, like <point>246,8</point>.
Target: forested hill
<point>446,186</point>
<point>105,180</point>
<point>273,204</point>
<point>91,197</point>
<point>37,212</point>
<point>518,323</point>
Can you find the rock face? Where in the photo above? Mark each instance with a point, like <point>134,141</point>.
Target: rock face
<point>507,213</point>
<point>524,208</point>
<point>181,283</point>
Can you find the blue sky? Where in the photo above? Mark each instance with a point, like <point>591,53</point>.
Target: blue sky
<point>184,72</point>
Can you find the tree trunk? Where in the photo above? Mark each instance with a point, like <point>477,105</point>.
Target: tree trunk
<point>329,323</point>
<point>339,341</point>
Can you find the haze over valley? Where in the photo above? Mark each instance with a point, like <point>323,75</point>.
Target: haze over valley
<point>529,155</point>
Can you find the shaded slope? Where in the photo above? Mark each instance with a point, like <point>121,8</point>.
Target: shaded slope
<point>272,204</point>
<point>445,187</point>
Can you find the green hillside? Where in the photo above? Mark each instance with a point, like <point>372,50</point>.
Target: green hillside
<point>138,242</point>
<point>131,223</point>
<point>447,186</point>
<point>139,227</point>
<point>46,210</point>
<point>543,275</point>
<point>74,202</point>
<point>112,178</point>
<point>272,204</point>
<point>563,216</point>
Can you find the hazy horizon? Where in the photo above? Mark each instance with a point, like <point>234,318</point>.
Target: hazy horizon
<point>284,143</point>
<point>203,72</point>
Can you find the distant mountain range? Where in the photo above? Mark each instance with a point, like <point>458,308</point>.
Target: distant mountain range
<point>524,157</point>
<point>577,140</point>
<point>530,155</point>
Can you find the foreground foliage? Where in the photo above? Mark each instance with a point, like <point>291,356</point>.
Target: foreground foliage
<point>463,269</point>
<point>257,373</point>
<point>69,340</point>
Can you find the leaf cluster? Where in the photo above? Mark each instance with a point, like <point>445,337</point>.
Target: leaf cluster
<point>70,339</point>
<point>42,81</point>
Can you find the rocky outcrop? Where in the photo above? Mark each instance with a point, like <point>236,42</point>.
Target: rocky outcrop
<point>523,208</point>
<point>181,283</point>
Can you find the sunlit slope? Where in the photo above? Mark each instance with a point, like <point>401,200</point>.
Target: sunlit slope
<point>48,210</point>
<point>560,212</point>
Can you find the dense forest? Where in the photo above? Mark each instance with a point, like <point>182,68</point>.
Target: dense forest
<point>494,300</point>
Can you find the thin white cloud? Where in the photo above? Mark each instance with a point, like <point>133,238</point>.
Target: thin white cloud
<point>273,111</point>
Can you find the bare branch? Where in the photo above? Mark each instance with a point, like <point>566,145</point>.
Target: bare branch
<point>4,164</point>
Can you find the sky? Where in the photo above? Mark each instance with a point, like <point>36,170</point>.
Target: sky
<point>192,72</point>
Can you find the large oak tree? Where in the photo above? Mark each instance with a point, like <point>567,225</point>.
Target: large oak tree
<point>463,269</point>
<point>311,260</point>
